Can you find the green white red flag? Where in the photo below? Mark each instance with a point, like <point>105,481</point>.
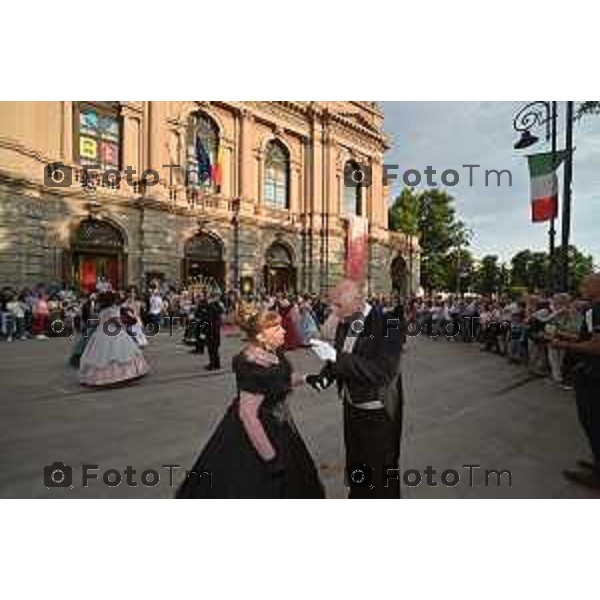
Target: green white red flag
<point>544,184</point>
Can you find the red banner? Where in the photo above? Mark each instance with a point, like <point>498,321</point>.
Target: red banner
<point>357,248</point>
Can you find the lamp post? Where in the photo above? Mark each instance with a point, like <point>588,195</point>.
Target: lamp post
<point>566,214</point>
<point>458,269</point>
<point>235,221</point>
<point>410,265</point>
<point>538,114</point>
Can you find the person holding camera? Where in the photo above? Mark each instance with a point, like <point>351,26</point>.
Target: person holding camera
<point>586,373</point>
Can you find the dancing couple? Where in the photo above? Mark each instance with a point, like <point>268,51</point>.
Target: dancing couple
<point>111,354</point>
<point>257,451</point>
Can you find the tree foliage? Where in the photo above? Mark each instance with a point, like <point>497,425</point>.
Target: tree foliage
<point>431,215</point>
<point>447,264</point>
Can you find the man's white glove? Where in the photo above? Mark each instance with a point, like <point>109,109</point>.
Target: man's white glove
<point>324,350</point>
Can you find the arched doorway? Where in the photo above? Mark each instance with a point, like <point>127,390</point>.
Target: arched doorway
<point>399,274</point>
<point>279,270</point>
<point>97,250</point>
<point>203,260</point>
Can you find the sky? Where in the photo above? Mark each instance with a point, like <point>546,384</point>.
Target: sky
<point>447,135</point>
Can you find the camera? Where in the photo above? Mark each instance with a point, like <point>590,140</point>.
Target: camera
<point>58,475</point>
<point>356,174</point>
<point>58,175</point>
<point>359,475</point>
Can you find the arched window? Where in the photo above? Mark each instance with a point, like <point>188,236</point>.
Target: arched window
<point>277,175</point>
<point>278,255</point>
<point>203,159</point>
<point>204,247</point>
<point>352,201</point>
<point>94,233</point>
<point>98,134</point>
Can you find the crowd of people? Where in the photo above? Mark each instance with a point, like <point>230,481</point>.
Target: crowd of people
<point>554,336</point>
<point>521,329</point>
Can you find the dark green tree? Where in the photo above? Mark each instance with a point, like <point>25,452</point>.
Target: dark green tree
<point>404,213</point>
<point>431,215</point>
<point>589,107</point>
<point>504,282</point>
<point>460,264</point>
<point>539,272</point>
<point>520,265</point>
<point>580,265</point>
<point>531,270</point>
<point>488,276</point>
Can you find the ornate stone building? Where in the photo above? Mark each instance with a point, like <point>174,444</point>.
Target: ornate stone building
<point>243,193</point>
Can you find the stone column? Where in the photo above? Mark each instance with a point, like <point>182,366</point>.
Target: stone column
<point>295,187</point>
<point>227,179</point>
<point>245,158</point>
<point>377,209</point>
<point>156,141</point>
<point>131,140</point>
<point>67,132</point>
<point>316,206</point>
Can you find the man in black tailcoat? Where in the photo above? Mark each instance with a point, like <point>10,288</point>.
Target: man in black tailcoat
<point>200,324</point>
<point>366,369</point>
<point>215,311</point>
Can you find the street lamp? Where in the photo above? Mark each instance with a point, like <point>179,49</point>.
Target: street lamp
<point>235,221</point>
<point>526,140</point>
<point>411,251</point>
<point>541,113</point>
<point>538,114</point>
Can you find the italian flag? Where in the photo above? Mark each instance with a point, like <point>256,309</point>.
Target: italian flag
<point>544,185</point>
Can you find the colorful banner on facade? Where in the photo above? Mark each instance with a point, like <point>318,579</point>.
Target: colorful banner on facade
<point>357,247</point>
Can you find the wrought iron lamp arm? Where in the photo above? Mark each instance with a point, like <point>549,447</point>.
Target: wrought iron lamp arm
<point>534,114</point>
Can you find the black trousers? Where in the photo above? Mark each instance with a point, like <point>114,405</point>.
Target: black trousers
<point>213,354</point>
<point>587,396</point>
<point>372,442</point>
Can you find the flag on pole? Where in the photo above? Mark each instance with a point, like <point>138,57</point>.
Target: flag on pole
<point>544,184</point>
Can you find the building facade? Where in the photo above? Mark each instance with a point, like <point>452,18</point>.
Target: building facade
<point>242,194</point>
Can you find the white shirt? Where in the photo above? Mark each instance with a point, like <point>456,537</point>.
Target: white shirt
<point>156,304</point>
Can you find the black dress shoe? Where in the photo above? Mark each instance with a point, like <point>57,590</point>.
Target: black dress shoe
<point>587,478</point>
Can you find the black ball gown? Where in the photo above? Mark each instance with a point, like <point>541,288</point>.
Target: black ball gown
<point>230,467</point>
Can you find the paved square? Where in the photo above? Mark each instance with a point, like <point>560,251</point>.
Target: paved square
<point>463,407</point>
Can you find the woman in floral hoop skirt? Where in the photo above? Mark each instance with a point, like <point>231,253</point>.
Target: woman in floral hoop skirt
<point>111,356</point>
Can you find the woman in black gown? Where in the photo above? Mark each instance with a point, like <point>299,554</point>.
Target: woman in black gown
<point>256,451</point>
